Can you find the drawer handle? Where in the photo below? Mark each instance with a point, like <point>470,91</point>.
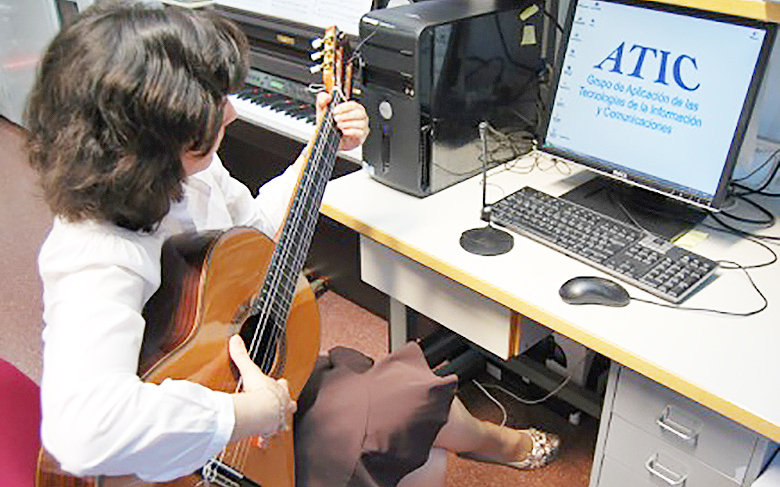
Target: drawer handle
<point>655,468</point>
<point>666,423</point>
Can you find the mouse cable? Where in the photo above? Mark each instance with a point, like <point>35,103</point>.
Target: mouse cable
<point>716,311</point>
<point>756,239</point>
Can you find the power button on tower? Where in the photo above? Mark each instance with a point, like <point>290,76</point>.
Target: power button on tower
<point>386,110</point>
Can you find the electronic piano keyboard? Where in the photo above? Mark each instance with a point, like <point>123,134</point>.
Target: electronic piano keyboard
<point>276,104</point>
<point>277,95</point>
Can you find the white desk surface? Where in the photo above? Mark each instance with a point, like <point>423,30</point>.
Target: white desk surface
<point>729,364</point>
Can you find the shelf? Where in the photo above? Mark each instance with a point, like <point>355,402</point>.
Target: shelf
<point>754,9</point>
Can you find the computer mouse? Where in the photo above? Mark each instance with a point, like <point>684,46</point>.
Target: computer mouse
<point>594,290</point>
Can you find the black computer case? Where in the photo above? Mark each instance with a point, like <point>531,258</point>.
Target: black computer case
<point>437,68</point>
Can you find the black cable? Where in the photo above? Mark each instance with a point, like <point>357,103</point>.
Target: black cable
<point>756,170</point>
<point>768,222</point>
<point>743,233</point>
<point>757,239</point>
<point>740,233</point>
<point>505,47</point>
<point>551,17</point>
<point>760,190</point>
<point>755,191</point>
<point>615,201</point>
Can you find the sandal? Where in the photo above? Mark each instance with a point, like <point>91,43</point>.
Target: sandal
<point>545,449</point>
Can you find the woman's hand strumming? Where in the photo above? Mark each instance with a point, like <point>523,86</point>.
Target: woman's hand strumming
<point>263,407</point>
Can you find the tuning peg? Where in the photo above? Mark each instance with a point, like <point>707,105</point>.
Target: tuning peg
<point>315,69</point>
<point>316,55</point>
<point>316,43</point>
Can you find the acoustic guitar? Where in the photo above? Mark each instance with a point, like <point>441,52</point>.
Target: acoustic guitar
<point>217,284</point>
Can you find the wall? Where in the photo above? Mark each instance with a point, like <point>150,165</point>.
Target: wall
<point>26,27</point>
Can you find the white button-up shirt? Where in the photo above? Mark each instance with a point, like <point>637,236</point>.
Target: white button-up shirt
<point>98,416</point>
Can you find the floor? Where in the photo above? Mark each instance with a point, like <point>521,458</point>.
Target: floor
<point>24,221</point>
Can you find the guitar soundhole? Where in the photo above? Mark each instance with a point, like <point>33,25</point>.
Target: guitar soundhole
<point>267,337</point>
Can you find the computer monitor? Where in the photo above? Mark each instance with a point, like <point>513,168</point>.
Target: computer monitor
<point>655,95</point>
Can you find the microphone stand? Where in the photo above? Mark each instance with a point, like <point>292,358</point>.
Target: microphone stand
<point>487,240</point>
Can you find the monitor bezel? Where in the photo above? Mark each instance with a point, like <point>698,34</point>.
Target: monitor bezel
<point>634,178</point>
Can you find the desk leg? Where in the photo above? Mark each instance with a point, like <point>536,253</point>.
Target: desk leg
<point>398,325</point>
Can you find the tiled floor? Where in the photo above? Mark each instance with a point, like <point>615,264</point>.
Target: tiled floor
<point>24,221</point>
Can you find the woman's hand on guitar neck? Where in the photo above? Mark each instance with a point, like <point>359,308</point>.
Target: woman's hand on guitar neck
<point>264,407</point>
<point>350,117</point>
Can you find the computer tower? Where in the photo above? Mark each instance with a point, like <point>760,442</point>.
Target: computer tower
<point>434,70</point>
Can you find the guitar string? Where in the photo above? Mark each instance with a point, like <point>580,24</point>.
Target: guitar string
<point>242,450</point>
<point>323,144</point>
<point>302,233</point>
<point>290,245</point>
<point>288,242</point>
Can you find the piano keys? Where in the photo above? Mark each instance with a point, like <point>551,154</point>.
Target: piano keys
<point>278,104</point>
<point>277,96</point>
<point>281,105</point>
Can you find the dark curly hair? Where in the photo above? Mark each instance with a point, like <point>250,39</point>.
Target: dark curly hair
<point>121,93</point>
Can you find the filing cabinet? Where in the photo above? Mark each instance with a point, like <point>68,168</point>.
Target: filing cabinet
<point>652,436</point>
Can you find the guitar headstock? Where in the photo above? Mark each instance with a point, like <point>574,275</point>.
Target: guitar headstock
<point>335,63</point>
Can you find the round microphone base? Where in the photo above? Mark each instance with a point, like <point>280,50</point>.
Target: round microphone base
<point>487,240</point>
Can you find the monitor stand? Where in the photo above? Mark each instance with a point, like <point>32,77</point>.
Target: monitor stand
<point>656,213</point>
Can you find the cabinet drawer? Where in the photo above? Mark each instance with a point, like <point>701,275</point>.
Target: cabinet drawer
<point>652,460</point>
<point>615,474</point>
<point>688,426</point>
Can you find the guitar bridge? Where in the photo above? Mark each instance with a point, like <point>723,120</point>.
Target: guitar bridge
<point>220,474</point>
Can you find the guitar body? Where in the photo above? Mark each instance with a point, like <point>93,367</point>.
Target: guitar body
<point>209,283</point>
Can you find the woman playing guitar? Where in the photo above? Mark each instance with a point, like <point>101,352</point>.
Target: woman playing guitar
<point>125,118</point>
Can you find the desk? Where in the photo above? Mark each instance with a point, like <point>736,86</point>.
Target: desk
<point>727,364</point>
<point>410,248</point>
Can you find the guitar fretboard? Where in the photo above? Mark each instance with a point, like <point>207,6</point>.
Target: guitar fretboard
<point>273,303</point>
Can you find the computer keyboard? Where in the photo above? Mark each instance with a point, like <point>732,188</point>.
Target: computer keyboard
<point>628,253</point>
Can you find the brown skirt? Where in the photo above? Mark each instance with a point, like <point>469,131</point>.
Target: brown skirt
<point>366,424</point>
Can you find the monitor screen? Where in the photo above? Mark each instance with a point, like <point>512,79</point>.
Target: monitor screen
<point>656,95</point>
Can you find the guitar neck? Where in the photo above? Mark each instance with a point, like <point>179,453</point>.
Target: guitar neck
<point>272,305</point>
<point>273,302</point>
